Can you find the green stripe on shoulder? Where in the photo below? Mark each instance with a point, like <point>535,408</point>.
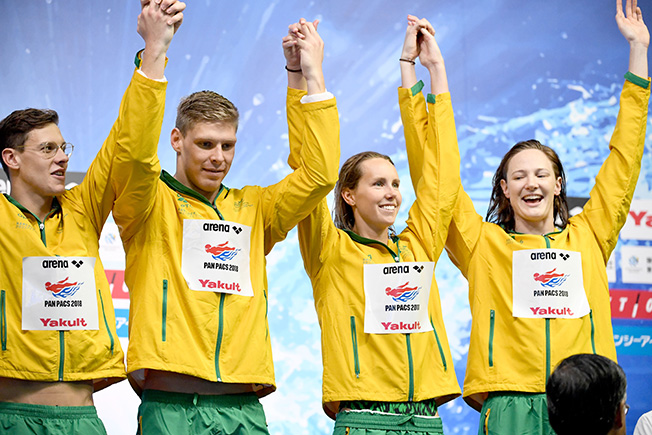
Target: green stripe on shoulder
<point>638,81</point>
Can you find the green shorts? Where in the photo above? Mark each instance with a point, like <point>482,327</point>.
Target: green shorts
<point>380,418</point>
<point>163,413</point>
<point>517,413</point>
<point>25,419</point>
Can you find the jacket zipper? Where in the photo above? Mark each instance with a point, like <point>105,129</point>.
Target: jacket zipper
<point>164,312</point>
<point>354,340</point>
<point>3,320</point>
<point>411,366</point>
<point>592,331</point>
<point>492,317</point>
<point>219,338</point>
<point>62,344</point>
<point>547,239</point>
<point>441,350</point>
<point>106,323</point>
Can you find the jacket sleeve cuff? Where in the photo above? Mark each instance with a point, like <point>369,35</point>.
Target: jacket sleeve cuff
<point>639,81</point>
<point>417,88</point>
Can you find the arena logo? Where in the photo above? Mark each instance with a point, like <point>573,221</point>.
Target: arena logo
<point>550,279</point>
<point>222,252</point>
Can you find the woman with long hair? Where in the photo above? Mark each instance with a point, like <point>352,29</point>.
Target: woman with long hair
<point>538,288</point>
<point>387,363</point>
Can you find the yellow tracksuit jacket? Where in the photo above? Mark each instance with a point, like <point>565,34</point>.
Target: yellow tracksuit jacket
<point>380,367</point>
<point>72,228</point>
<point>213,336</point>
<point>517,354</point>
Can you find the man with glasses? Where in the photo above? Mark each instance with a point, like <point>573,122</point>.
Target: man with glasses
<point>587,395</point>
<point>58,341</point>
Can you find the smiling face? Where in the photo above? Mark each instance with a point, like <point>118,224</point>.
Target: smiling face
<point>531,187</point>
<point>204,156</point>
<point>32,172</point>
<point>375,200</point>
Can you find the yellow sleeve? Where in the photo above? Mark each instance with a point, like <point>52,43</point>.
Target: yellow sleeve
<point>465,223</point>
<point>292,199</point>
<point>463,232</point>
<point>296,123</point>
<point>610,198</point>
<point>317,235</point>
<point>137,167</point>
<point>415,124</point>
<point>139,123</point>
<point>437,188</point>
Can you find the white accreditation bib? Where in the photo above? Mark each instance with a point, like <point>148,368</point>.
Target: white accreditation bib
<point>548,283</point>
<point>396,297</point>
<point>215,256</point>
<point>59,294</point>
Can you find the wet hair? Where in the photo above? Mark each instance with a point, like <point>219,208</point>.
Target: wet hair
<point>350,175</point>
<point>17,125</point>
<point>584,393</point>
<point>205,106</point>
<point>500,210</point>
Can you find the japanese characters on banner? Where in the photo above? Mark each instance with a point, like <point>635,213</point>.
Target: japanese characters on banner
<point>631,294</point>
<point>629,271</point>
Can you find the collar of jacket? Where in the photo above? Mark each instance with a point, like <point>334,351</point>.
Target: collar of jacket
<point>176,185</point>
<point>365,241</point>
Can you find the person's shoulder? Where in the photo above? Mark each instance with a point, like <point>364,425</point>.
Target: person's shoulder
<point>644,424</point>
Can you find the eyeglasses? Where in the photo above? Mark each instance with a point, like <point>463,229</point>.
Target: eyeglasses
<point>49,149</point>
<point>626,408</point>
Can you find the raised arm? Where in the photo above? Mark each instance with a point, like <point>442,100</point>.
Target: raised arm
<point>631,25</point>
<point>136,163</point>
<point>427,129</point>
<point>292,199</point>
<point>437,182</point>
<point>419,42</point>
<point>297,88</point>
<point>610,198</point>
<point>157,23</point>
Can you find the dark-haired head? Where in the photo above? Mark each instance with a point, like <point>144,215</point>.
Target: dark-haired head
<point>586,394</point>
<point>500,209</point>
<point>17,125</point>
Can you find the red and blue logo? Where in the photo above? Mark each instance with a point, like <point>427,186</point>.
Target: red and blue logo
<point>222,252</point>
<point>63,289</point>
<point>402,293</point>
<point>550,279</point>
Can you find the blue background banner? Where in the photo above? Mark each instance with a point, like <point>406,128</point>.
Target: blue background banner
<point>517,70</point>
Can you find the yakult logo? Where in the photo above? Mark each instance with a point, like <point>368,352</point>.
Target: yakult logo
<point>550,279</point>
<point>63,289</point>
<point>402,293</point>
<point>222,252</point>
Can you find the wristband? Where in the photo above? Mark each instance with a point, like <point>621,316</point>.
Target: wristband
<point>293,70</point>
<point>406,60</point>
